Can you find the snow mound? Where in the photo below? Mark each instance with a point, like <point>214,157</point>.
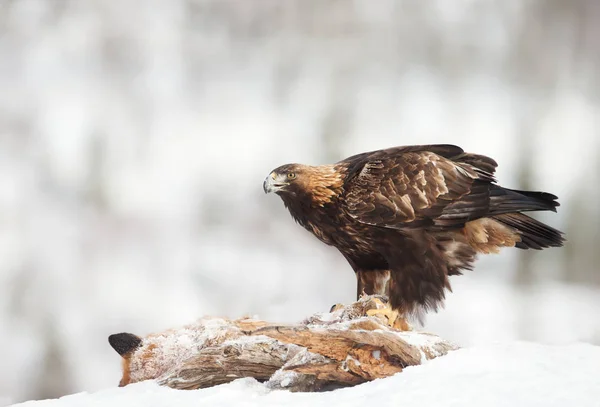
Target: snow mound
<point>504,374</point>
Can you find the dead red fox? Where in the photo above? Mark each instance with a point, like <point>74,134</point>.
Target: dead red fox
<point>155,355</point>
<point>315,352</point>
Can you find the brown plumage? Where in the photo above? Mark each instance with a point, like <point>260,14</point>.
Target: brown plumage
<point>406,218</point>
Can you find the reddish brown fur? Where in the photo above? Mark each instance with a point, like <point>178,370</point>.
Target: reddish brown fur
<point>143,357</point>
<point>126,367</point>
<point>146,355</point>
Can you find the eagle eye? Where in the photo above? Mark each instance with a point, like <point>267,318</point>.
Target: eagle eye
<point>291,175</point>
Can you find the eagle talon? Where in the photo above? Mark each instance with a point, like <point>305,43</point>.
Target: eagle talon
<point>363,295</point>
<point>383,298</point>
<point>390,317</point>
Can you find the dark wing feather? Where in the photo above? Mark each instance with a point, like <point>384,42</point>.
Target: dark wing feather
<point>355,163</point>
<point>416,186</point>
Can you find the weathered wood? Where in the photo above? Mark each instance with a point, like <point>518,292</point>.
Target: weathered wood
<point>348,346</point>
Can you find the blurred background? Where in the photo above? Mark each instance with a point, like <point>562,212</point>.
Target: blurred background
<point>135,136</point>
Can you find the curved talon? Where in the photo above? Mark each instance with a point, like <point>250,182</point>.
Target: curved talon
<point>384,299</point>
<point>381,297</point>
<point>391,317</point>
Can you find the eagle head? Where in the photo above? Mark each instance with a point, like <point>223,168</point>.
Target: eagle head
<point>320,184</point>
<point>284,179</point>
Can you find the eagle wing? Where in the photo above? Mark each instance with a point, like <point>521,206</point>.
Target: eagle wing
<point>437,185</point>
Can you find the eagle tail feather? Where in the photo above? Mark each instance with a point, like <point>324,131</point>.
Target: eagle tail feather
<point>504,200</point>
<point>534,234</point>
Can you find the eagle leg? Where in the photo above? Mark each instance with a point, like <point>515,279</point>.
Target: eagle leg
<point>372,282</point>
<point>391,317</point>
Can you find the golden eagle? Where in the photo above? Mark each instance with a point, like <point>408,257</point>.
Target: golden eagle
<point>408,217</point>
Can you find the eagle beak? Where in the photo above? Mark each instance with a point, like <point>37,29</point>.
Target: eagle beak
<point>273,183</point>
<point>268,185</point>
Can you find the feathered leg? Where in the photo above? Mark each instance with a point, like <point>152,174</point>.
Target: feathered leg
<point>376,283</point>
<point>372,282</point>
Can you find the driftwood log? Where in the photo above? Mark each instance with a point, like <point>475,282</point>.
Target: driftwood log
<point>351,345</point>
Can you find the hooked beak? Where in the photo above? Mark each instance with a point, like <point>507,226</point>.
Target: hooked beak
<point>274,183</point>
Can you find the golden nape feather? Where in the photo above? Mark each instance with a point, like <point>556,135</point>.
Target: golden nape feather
<point>407,218</point>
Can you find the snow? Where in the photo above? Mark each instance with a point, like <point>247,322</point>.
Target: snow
<point>500,374</point>
<point>422,341</point>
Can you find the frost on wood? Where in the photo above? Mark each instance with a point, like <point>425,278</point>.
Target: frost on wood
<point>326,351</point>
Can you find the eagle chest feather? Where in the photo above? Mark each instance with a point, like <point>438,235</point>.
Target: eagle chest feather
<point>326,222</point>
<point>334,227</point>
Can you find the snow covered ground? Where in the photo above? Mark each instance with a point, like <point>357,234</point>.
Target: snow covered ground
<point>502,374</point>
